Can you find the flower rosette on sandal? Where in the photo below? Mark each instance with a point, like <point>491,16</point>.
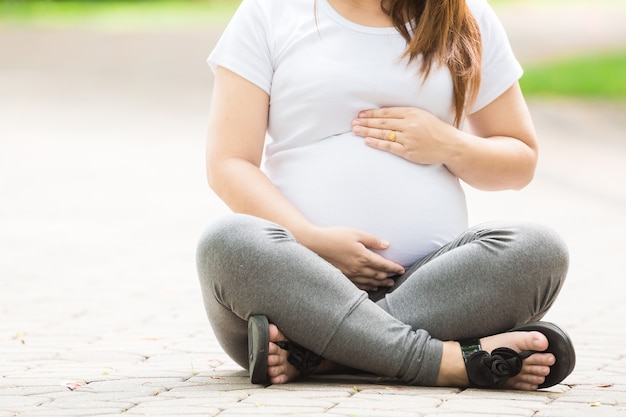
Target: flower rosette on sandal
<point>493,370</point>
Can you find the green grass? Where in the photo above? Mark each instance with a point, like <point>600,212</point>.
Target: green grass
<point>116,14</point>
<point>589,76</point>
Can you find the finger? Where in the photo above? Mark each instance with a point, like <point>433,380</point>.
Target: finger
<point>367,284</point>
<point>377,123</point>
<point>383,129</point>
<point>381,266</point>
<point>375,279</point>
<point>383,112</point>
<point>366,287</point>
<point>375,261</point>
<point>381,132</point>
<point>373,242</point>
<point>385,145</point>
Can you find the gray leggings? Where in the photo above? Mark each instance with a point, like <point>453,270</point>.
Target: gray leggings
<point>491,278</point>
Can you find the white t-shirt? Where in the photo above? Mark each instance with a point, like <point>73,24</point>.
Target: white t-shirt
<point>320,70</point>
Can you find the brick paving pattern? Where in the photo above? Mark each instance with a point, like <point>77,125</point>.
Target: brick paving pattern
<point>102,197</point>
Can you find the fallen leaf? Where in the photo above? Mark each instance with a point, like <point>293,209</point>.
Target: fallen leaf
<point>75,384</point>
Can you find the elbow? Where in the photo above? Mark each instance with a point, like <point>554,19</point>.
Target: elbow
<point>212,176</point>
<point>212,173</point>
<point>524,181</point>
<point>503,181</point>
<point>526,176</point>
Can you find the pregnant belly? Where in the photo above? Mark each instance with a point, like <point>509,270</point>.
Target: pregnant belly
<point>342,182</point>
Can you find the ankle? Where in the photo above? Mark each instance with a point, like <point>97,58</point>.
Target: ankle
<point>452,371</point>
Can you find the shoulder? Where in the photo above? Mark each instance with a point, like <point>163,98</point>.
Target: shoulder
<point>490,25</point>
<point>265,16</point>
<point>478,7</point>
<point>276,8</point>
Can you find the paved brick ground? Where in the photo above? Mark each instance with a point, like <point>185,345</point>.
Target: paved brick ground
<point>102,196</point>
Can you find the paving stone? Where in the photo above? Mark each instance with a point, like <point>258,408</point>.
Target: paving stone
<point>139,386</point>
<point>180,407</point>
<point>183,412</point>
<point>100,309</point>
<point>507,395</point>
<point>270,411</point>
<point>47,412</point>
<point>11,402</point>
<point>325,414</point>
<point>265,400</point>
<point>594,396</point>
<point>414,391</point>
<point>192,390</point>
<point>490,406</point>
<point>374,412</point>
<point>20,391</point>
<point>395,402</point>
<point>440,413</point>
<point>572,410</point>
<point>330,392</point>
<point>79,402</point>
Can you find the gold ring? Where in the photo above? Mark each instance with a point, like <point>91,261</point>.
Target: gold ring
<point>391,136</point>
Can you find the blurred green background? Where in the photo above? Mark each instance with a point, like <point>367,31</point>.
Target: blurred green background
<point>598,75</point>
<point>115,14</point>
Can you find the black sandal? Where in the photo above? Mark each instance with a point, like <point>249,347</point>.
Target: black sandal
<point>258,343</point>
<point>486,370</point>
<point>304,360</point>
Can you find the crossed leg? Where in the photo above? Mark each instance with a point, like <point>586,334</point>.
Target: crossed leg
<point>452,371</point>
<point>263,275</point>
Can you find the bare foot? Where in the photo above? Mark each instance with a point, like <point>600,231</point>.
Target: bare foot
<point>534,369</point>
<point>279,369</point>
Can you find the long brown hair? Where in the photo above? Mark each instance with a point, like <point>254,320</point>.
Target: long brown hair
<point>443,32</point>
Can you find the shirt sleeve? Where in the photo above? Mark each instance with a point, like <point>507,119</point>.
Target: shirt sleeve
<point>244,47</point>
<point>500,68</point>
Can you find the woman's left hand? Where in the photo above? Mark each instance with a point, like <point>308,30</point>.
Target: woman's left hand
<point>409,132</point>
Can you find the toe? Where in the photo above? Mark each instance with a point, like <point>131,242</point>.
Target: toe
<point>279,379</point>
<point>538,342</point>
<point>274,349</point>
<point>274,360</point>
<point>525,386</point>
<point>540,359</point>
<point>275,334</point>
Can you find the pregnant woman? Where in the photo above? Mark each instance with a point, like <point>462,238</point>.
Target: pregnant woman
<point>336,137</point>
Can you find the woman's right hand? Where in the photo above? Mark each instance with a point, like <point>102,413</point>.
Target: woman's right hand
<point>236,134</point>
<point>352,252</point>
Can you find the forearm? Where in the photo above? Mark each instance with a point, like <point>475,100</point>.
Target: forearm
<point>501,150</point>
<point>494,163</point>
<point>246,189</point>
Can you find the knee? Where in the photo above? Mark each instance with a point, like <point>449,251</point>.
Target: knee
<point>535,251</point>
<point>219,246</point>
<point>547,266</point>
<point>546,248</point>
<point>236,243</point>
<point>225,236</point>
<point>531,245</point>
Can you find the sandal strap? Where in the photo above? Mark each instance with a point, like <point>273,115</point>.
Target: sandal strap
<point>303,359</point>
<point>486,370</point>
<point>469,347</point>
